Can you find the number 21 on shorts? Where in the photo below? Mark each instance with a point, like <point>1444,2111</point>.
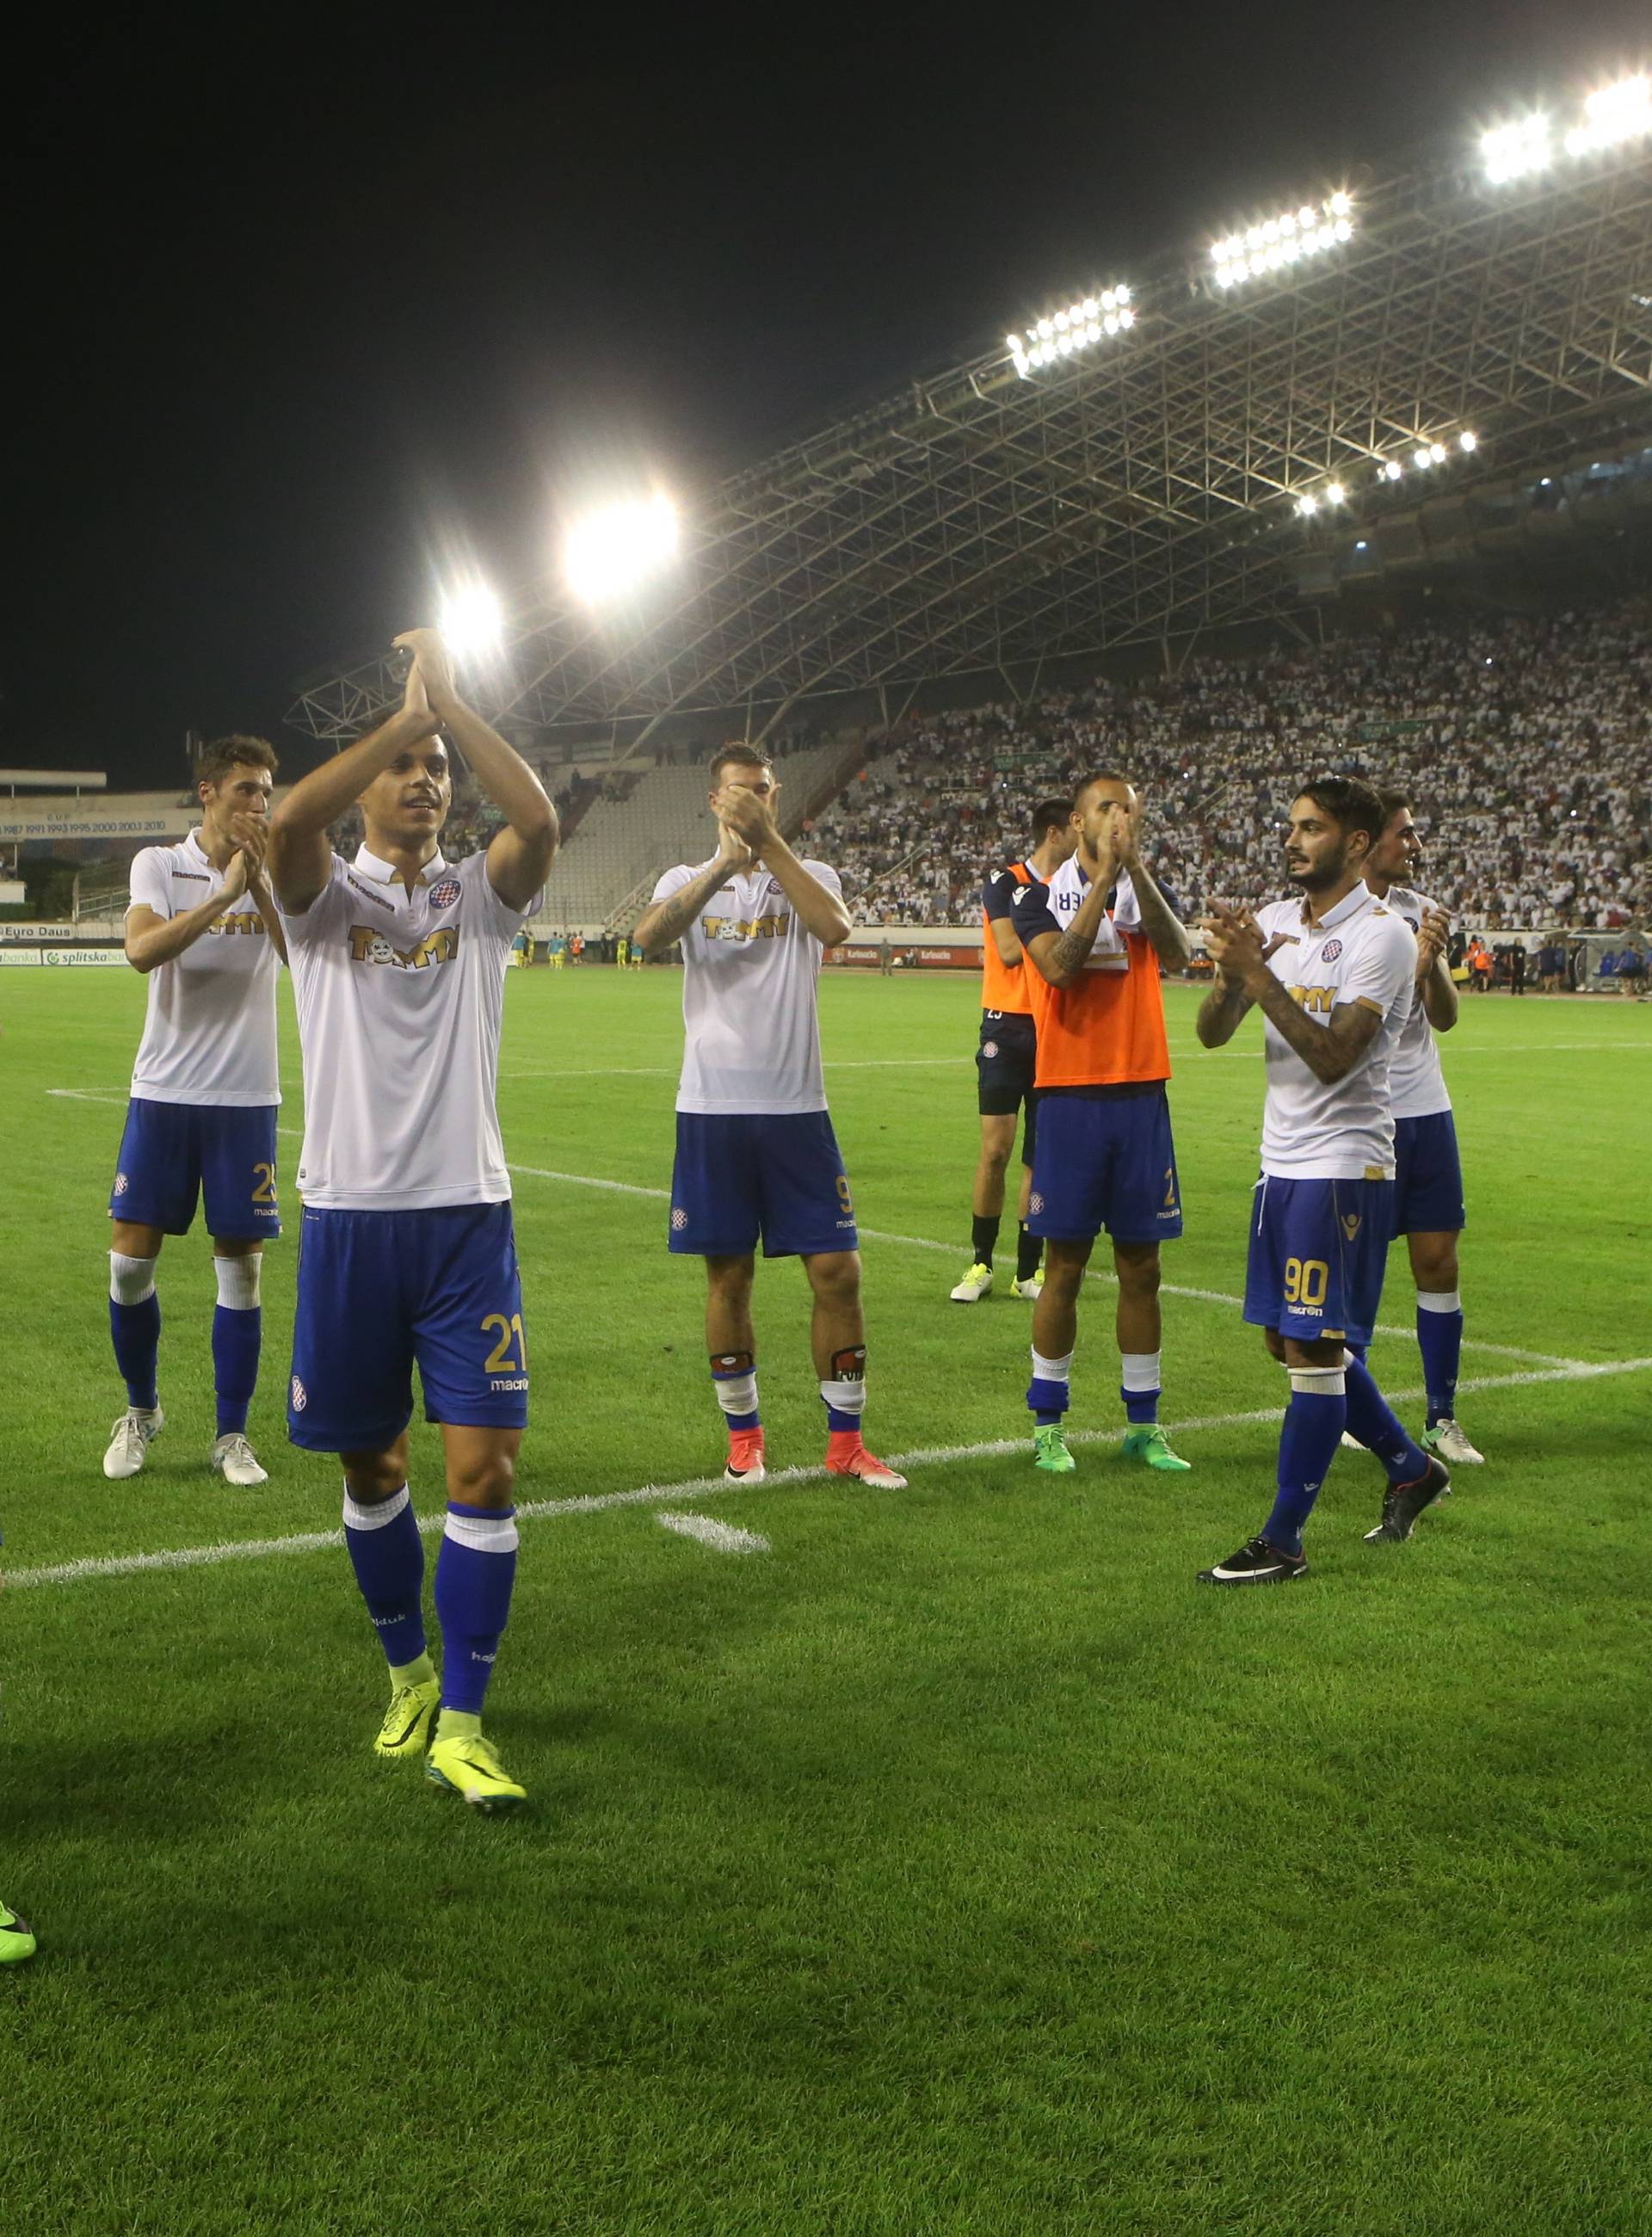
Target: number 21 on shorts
<point>499,1360</point>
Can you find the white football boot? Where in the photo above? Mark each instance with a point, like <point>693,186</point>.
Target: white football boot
<point>976,1285</point>
<point>236,1461</point>
<point>130,1439</point>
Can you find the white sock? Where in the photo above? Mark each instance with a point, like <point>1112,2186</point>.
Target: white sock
<point>1139,1371</point>
<point>238,1280</point>
<point>130,1280</point>
<point>736,1394</point>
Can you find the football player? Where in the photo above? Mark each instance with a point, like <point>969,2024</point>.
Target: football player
<point>409,1258</point>
<point>1429,1210</point>
<point>756,1159</point>
<point>202,928</point>
<point>1097,934</point>
<point>1007,1058</point>
<point>1332,971</point>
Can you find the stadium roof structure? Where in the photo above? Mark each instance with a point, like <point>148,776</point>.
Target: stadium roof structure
<point>1144,490</point>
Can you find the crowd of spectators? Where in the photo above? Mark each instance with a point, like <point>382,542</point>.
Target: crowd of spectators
<point>1525,744</point>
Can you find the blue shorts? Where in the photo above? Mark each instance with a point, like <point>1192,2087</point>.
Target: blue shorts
<point>1318,1251</point>
<point>382,1291</point>
<point>173,1152</point>
<point>1428,1177</point>
<point>1105,1159</point>
<point>778,1175</point>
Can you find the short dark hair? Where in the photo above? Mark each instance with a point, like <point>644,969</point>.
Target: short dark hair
<point>742,752</point>
<point>219,755</point>
<point>1349,801</point>
<point>1391,802</point>
<point>1101,777</point>
<point>1050,815</point>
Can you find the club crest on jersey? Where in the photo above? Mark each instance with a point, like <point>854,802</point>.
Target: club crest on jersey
<point>445,895</point>
<point>300,1396</point>
<point>122,1183</point>
<point>1331,951</point>
<point>990,1048</point>
<point>679,1219</point>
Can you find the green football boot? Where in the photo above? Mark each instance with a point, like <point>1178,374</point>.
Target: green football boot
<point>1146,1441</point>
<point>1049,1450</point>
<point>17,1942</point>
<point>470,1766</point>
<point>405,1733</point>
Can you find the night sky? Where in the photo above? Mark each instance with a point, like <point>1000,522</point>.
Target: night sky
<point>298,316</point>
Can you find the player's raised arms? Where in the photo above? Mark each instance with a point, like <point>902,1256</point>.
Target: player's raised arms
<point>300,856</point>
<point>518,857</point>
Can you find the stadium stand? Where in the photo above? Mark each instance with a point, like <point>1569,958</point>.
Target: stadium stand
<point>1527,744</point>
<point>606,873</point>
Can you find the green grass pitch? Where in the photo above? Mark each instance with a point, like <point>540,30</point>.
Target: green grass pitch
<point>954,1865</point>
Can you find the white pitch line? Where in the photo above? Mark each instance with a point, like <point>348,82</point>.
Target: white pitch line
<point>923,1063</point>
<point>927,1243</point>
<point>91,1566</point>
<point>722,1537</point>
<point>947,1250</point>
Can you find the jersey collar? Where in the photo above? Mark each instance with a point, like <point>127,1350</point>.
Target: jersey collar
<point>1360,897</point>
<point>375,867</point>
<point>195,851</point>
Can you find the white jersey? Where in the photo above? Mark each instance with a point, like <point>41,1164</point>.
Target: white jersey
<point>209,1030</point>
<point>398,1002</point>
<point>750,971</point>
<point>1360,952</point>
<point>1416,1083</point>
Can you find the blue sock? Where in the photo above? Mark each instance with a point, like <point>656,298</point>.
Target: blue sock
<point>387,1556</point>
<point>1314,1422</point>
<point>475,1571</point>
<point>1139,1387</point>
<point>134,1325</point>
<point>136,1331</point>
<point>1050,1391</point>
<point>1373,1421</point>
<point>236,1337</point>
<point>1439,1338</point>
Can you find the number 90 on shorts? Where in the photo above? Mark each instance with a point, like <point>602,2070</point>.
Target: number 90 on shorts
<point>1318,1253</point>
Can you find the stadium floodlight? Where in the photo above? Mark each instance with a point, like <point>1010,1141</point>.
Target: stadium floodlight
<point>1424,457</point>
<point>1468,440</point>
<point>1307,503</point>
<point>1079,327</point>
<point>1437,454</point>
<point>1278,243</point>
<point>1393,470</point>
<point>1514,151</point>
<point>471,621</point>
<point>1613,115</point>
<point>614,551</point>
<point>1335,492</point>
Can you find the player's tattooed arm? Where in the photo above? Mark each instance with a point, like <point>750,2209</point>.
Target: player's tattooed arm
<point>664,924</point>
<point>1234,940</point>
<point>1167,935</point>
<point>300,856</point>
<point>1059,957</point>
<point>1226,1005</point>
<point>519,857</point>
<point>1435,989</point>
